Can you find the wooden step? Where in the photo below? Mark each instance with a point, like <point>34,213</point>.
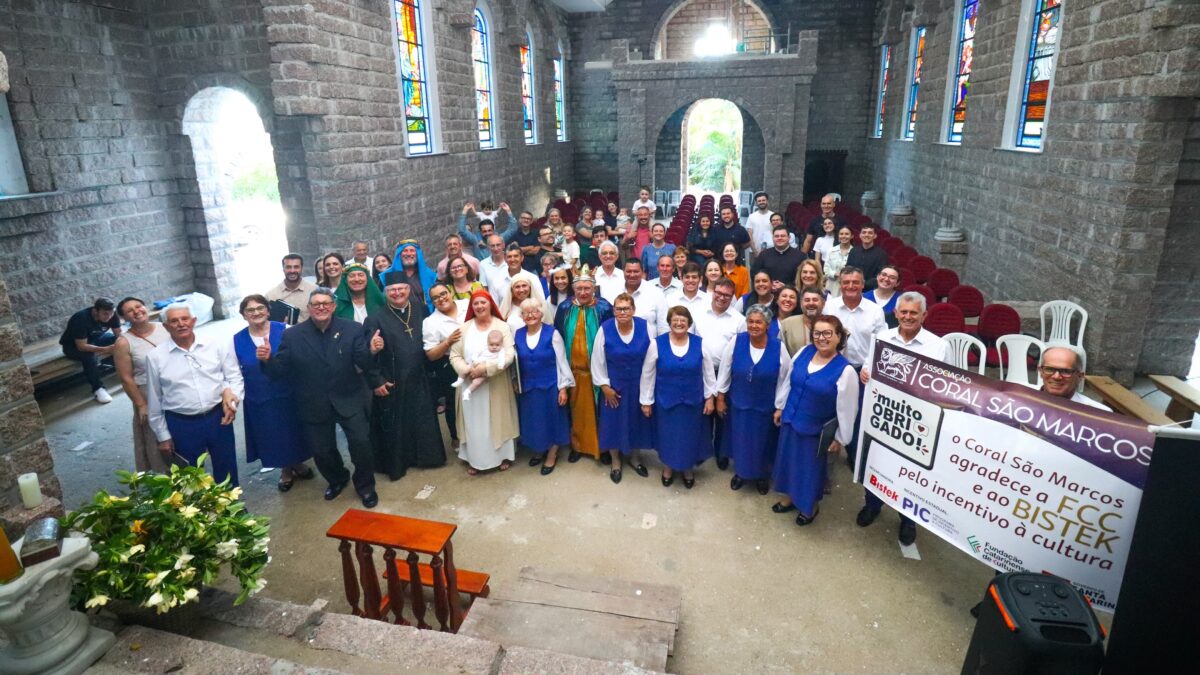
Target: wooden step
<point>1124,401</point>
<point>474,584</point>
<point>1185,399</point>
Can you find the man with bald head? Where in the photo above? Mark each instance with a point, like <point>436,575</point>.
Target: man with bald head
<point>815,226</point>
<point>1061,368</point>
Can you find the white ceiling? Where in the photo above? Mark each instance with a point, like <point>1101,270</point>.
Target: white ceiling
<point>576,6</point>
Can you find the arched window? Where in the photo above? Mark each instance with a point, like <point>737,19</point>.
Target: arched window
<point>560,114</point>
<point>916,66</point>
<point>528,92</point>
<point>961,61</point>
<point>1033,73</point>
<point>417,88</point>
<point>481,56</point>
<point>885,76</point>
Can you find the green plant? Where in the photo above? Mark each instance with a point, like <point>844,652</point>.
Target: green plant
<point>168,536</point>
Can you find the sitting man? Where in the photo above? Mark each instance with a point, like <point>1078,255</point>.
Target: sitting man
<point>89,337</point>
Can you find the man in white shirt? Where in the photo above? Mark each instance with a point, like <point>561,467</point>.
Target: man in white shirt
<point>194,386</point>
<point>648,301</point>
<point>1061,368</point>
<point>359,253</point>
<point>910,334</point>
<point>861,318</point>
<point>690,295</point>
<point>716,326</point>
<point>493,270</point>
<point>610,280</point>
<point>666,283</point>
<point>759,223</point>
<point>294,288</point>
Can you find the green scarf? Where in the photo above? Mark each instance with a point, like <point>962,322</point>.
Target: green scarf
<point>345,307</point>
<point>591,325</point>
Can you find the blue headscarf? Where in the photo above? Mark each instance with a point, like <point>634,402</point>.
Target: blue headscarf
<point>425,273</point>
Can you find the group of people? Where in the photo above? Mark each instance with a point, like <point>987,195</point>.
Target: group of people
<point>763,368</point>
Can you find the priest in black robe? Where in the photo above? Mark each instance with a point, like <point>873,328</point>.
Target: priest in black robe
<point>404,425</point>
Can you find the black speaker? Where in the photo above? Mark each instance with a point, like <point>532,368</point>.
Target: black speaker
<point>1034,623</point>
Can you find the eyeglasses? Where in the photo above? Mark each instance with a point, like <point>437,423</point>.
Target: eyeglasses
<point>622,309</point>
<point>722,294</point>
<point>822,334</point>
<point>320,305</point>
<point>256,310</point>
<point>440,296</point>
<point>1047,371</point>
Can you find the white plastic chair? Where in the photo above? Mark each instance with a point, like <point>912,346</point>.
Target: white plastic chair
<point>958,349</point>
<point>1058,329</point>
<point>673,198</point>
<point>660,200</point>
<point>1015,349</point>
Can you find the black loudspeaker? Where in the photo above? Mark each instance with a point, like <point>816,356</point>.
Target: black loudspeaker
<point>1034,623</point>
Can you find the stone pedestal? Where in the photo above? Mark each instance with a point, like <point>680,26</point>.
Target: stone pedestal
<point>902,222</point>
<point>44,635</point>
<point>872,206</point>
<point>952,255</point>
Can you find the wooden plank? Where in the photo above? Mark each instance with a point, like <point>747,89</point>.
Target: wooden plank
<point>1185,399</point>
<point>542,593</point>
<point>664,595</point>
<point>1124,401</point>
<point>566,630</point>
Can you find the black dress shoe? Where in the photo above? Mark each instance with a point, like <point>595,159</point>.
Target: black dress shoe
<point>370,499</point>
<point>736,482</point>
<point>668,481</point>
<point>605,459</point>
<point>548,469</point>
<point>641,470</point>
<point>308,474</point>
<point>689,483</point>
<point>803,520</point>
<point>722,463</point>
<point>866,516</point>
<point>763,486</point>
<point>778,507</point>
<point>573,457</point>
<point>334,490</point>
<point>535,460</point>
<point>615,475</point>
<point>908,533</point>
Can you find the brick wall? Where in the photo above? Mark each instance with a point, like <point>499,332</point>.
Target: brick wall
<point>667,152</point>
<point>1086,219</point>
<point>754,154</point>
<point>677,39</point>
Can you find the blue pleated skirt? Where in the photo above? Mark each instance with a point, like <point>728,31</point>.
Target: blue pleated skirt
<point>799,471</point>
<point>750,438</point>
<point>543,422</point>
<point>684,436</point>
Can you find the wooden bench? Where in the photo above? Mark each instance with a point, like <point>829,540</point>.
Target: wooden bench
<point>1124,401</point>
<point>47,362</point>
<point>1185,399</point>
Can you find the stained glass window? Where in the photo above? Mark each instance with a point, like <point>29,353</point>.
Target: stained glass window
<point>528,109</point>
<point>914,81</point>
<point>481,55</point>
<point>414,83</point>
<point>885,74</point>
<point>962,70</point>
<point>1039,71</point>
<point>560,125</point>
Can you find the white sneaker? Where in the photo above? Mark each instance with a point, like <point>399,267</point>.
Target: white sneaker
<point>466,394</point>
<point>102,395</point>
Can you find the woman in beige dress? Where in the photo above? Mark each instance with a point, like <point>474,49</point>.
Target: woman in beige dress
<point>130,359</point>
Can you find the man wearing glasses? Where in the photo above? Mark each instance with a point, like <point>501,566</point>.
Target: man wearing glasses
<point>717,325</point>
<point>323,358</point>
<point>195,386</point>
<point>910,334</point>
<point>1061,372</point>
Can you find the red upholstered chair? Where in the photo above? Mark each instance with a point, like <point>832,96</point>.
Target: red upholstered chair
<point>930,298</point>
<point>922,266</point>
<point>891,245</point>
<point>968,299</point>
<point>996,320</point>
<point>944,318</point>
<point>903,256</point>
<point>942,281</point>
<point>882,235</point>
<point>907,278</point>
<point>614,197</point>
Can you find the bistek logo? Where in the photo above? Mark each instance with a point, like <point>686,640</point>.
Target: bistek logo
<point>887,490</point>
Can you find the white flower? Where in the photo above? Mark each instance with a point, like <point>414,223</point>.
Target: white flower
<point>261,544</point>
<point>133,550</point>
<point>251,523</point>
<point>154,600</point>
<point>157,579</point>
<point>190,595</point>
<point>258,586</point>
<point>96,601</point>
<point>235,493</point>
<point>189,511</point>
<point>183,560</point>
<point>227,549</point>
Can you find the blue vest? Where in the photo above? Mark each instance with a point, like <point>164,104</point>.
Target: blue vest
<point>625,360</point>
<point>537,366</point>
<point>813,399</point>
<point>752,385</point>
<point>680,380</point>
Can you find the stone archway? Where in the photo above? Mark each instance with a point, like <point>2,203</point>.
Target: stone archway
<point>683,22</point>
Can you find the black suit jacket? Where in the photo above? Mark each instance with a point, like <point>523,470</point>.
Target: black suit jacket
<point>322,368</point>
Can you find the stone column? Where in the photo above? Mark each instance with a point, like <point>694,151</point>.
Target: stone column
<point>902,222</point>
<point>872,206</point>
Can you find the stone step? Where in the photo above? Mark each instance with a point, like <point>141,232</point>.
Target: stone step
<point>144,650</point>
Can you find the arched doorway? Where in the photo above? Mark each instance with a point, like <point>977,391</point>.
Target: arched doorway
<point>237,232</point>
<point>703,28</point>
<point>710,155</point>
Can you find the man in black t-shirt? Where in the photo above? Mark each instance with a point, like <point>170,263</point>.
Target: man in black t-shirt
<point>729,231</point>
<point>815,229</point>
<point>89,337</point>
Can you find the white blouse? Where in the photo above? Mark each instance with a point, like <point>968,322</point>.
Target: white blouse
<point>725,370</point>
<point>437,327</point>
<point>847,397</point>
<point>650,371</point>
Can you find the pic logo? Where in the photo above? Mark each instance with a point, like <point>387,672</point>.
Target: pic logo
<point>975,545</point>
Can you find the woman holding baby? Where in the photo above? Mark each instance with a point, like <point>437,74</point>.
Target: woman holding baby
<point>487,418</point>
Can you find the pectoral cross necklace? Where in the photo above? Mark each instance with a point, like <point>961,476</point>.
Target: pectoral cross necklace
<point>407,327</point>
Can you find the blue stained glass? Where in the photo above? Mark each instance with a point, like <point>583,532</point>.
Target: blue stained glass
<point>962,76</point>
<point>481,56</point>
<point>885,74</point>
<point>528,109</point>
<point>560,128</point>
<point>918,61</point>
<point>1039,70</point>
<point>413,78</point>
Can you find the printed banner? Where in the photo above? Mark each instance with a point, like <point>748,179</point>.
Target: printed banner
<point>1020,480</point>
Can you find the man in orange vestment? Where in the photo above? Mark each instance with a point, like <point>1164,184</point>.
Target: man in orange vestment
<point>578,320</point>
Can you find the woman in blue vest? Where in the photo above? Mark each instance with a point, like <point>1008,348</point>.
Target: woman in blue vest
<point>822,386</point>
<point>752,365</point>
<point>678,386</point>
<point>617,357</point>
<point>544,376</point>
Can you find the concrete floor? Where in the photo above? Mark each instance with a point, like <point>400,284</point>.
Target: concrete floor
<point>760,594</point>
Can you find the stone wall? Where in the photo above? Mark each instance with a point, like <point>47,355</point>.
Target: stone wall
<point>840,98</point>
<point>667,153</point>
<point>677,38</point>
<point>754,155</point>
<point>1087,218</point>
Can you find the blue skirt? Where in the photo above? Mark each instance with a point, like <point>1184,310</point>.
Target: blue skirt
<point>799,470</point>
<point>750,438</point>
<point>543,422</point>
<point>684,436</point>
<point>625,428</point>
<point>273,433</point>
